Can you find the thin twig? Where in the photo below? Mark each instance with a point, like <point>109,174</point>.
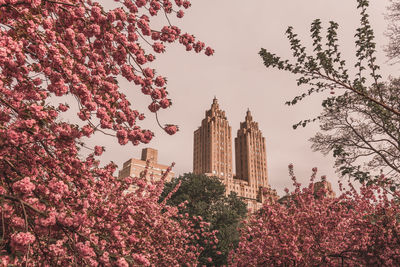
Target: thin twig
<point>26,230</point>
<point>362,94</point>
<point>3,226</point>
<point>26,204</point>
<point>60,3</point>
<point>25,216</point>
<point>158,122</point>
<point>12,167</point>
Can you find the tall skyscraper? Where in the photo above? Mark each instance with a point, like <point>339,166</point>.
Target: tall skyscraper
<point>250,154</point>
<point>212,156</point>
<point>212,153</point>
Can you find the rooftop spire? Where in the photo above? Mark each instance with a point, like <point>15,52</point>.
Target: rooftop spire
<point>215,104</point>
<point>248,115</point>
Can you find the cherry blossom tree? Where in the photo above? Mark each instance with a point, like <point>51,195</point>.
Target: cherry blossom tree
<point>358,228</point>
<point>57,206</point>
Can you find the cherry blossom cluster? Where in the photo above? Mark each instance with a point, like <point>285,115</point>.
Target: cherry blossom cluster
<point>79,49</point>
<point>57,206</point>
<point>358,228</point>
<point>106,226</point>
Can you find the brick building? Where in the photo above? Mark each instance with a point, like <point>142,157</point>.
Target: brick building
<point>250,154</point>
<point>212,155</point>
<point>135,167</point>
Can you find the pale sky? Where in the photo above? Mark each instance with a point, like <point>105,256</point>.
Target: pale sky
<point>237,77</point>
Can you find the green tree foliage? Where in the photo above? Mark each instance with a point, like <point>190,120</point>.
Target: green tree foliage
<point>361,114</point>
<point>205,196</point>
<point>393,32</point>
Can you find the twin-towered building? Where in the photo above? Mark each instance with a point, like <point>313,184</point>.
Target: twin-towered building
<point>212,155</point>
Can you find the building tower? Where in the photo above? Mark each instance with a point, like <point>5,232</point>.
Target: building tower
<point>212,153</point>
<point>250,154</point>
<point>149,154</point>
<point>136,167</point>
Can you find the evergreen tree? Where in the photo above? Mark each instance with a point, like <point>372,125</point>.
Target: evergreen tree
<point>205,197</point>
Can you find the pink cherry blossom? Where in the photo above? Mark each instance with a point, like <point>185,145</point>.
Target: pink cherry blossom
<point>171,129</point>
<point>311,227</point>
<point>60,205</point>
<point>21,240</point>
<point>24,186</point>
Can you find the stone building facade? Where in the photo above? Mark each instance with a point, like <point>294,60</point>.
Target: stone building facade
<point>212,155</point>
<point>135,167</point>
<point>212,152</point>
<point>250,153</point>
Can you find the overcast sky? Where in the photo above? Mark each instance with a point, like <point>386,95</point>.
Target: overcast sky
<point>236,76</point>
